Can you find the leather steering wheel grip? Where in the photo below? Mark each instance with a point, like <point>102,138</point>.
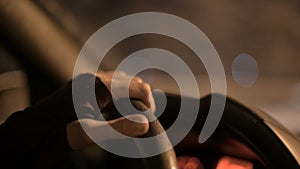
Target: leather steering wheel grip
<point>166,160</point>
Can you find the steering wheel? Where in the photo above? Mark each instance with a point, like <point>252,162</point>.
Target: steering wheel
<point>243,132</point>
<point>166,160</point>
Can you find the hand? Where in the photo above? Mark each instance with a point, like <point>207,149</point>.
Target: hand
<point>138,89</point>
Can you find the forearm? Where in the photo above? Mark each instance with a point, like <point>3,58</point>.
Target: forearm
<point>40,131</point>
<point>27,137</point>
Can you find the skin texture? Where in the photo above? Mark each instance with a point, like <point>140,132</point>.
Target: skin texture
<point>138,88</point>
<point>78,139</point>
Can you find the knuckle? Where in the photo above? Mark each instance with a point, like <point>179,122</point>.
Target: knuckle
<point>145,87</point>
<point>138,79</point>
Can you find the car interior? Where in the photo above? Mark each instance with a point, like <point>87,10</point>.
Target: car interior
<point>259,128</point>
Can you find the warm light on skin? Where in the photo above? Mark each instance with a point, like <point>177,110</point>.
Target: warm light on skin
<point>189,162</point>
<point>233,163</point>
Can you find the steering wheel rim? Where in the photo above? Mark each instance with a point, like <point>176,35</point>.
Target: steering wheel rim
<point>166,160</point>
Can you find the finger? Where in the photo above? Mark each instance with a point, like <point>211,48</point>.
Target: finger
<point>137,88</point>
<point>137,79</point>
<point>111,74</point>
<point>132,125</point>
<point>121,80</point>
<point>152,103</point>
<point>101,131</point>
<point>84,132</point>
<point>141,91</point>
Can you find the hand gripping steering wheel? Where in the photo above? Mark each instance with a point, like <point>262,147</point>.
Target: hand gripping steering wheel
<point>166,160</point>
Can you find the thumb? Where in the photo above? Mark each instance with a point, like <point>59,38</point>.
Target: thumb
<point>128,125</point>
<point>131,125</point>
<point>84,132</point>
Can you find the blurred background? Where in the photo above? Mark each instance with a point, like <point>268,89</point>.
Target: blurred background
<point>40,41</point>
